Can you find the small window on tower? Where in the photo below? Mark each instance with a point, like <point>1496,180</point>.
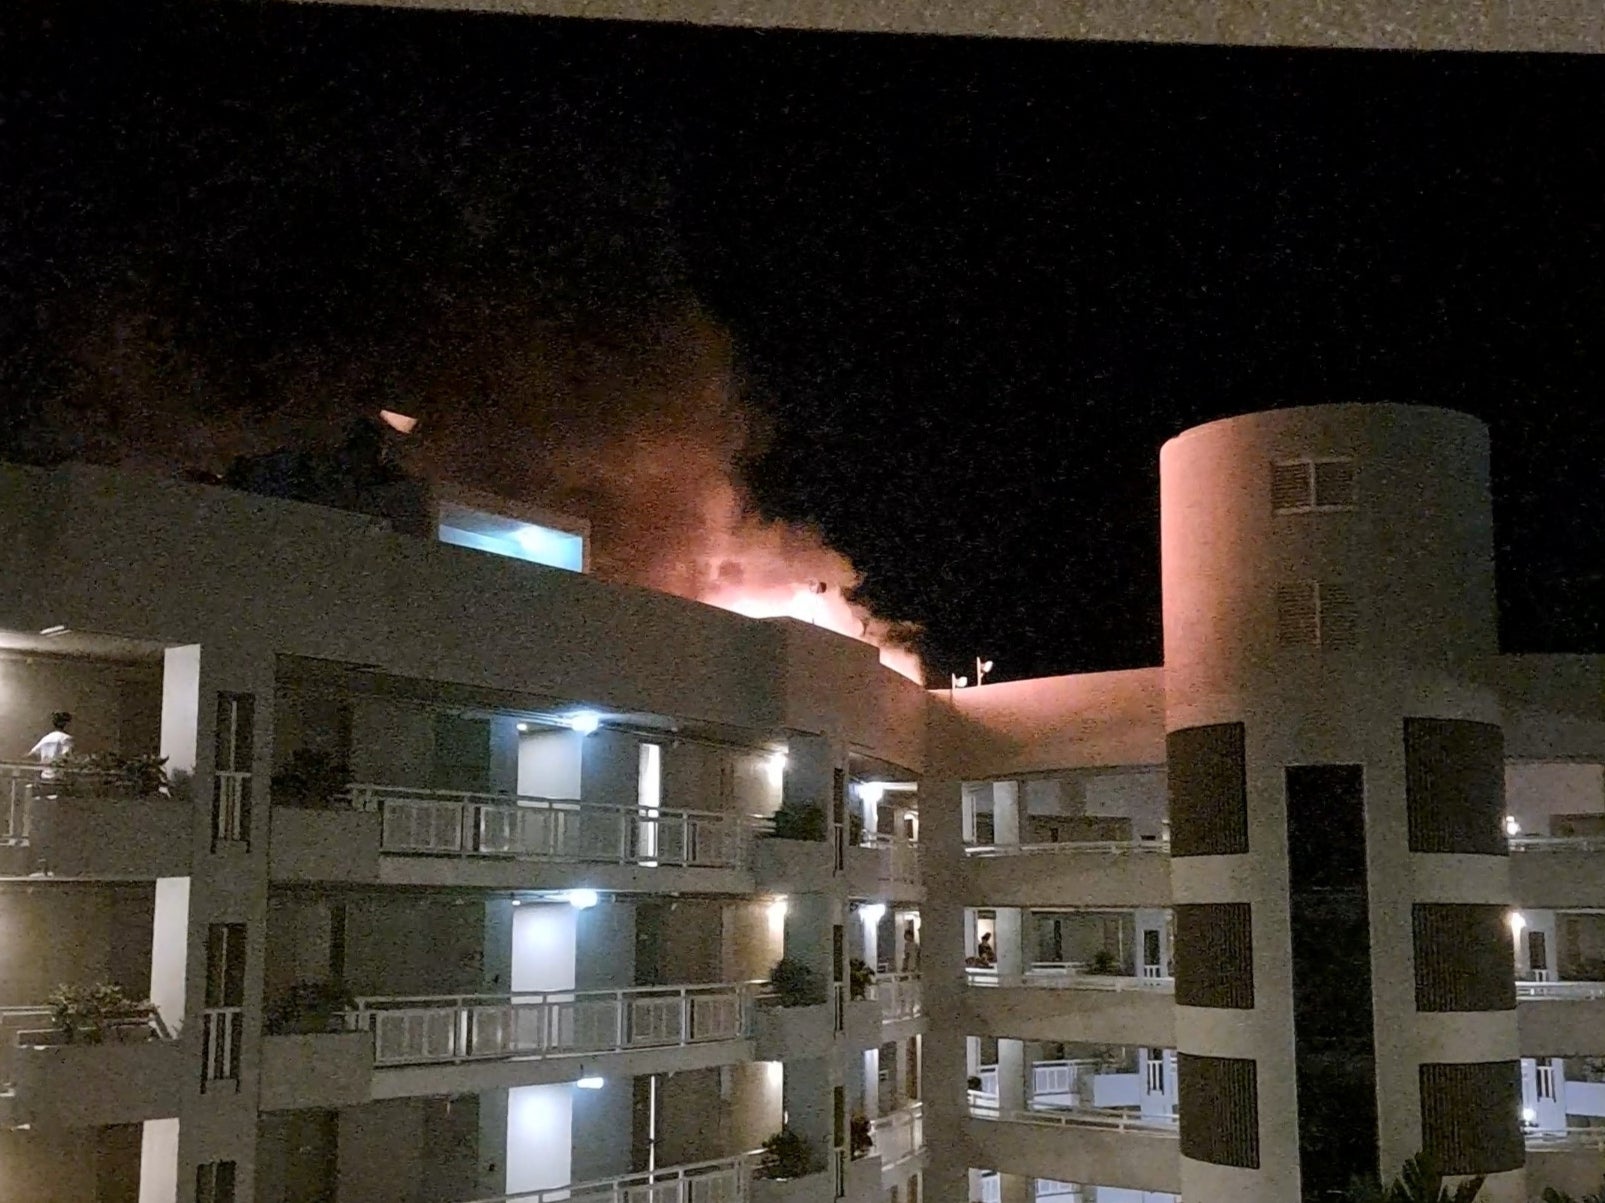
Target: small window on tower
<point>1307,485</point>
<point>1312,614</point>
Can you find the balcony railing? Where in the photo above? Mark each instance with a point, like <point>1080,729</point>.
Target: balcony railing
<point>23,787</point>
<point>900,1135</point>
<point>417,822</point>
<point>1557,843</point>
<point>725,1181</point>
<point>1069,976</point>
<point>1567,1138</point>
<point>1110,847</point>
<point>899,858</point>
<point>1118,1119</point>
<point>1532,990</point>
<point>899,994</point>
<point>482,1027</point>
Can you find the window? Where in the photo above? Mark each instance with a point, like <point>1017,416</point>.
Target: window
<point>214,1182</point>
<point>1309,485</point>
<point>1313,614</point>
<point>225,996</point>
<point>231,769</point>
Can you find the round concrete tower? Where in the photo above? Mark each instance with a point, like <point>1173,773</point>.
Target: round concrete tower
<point>1339,866</point>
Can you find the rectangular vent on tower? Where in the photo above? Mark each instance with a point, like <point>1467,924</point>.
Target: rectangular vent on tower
<point>1310,614</point>
<point>1307,485</point>
<point>1219,1106</point>
<point>1469,1116</point>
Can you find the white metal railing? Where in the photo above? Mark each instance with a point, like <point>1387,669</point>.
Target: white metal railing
<point>230,817</point>
<point>220,1041</point>
<point>1567,1138</point>
<point>1154,1075</point>
<point>986,1108</point>
<point>1047,976</point>
<point>900,1135</point>
<point>1065,1192</point>
<point>419,822</point>
<point>899,857</point>
<point>18,784</point>
<point>899,994</point>
<point>1544,1082</point>
<point>1536,990</point>
<point>1557,843</point>
<point>1111,847</point>
<point>725,1181</point>
<point>472,1027</point>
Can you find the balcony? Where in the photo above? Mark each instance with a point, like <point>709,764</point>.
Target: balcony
<point>883,866</point>
<point>1095,874</point>
<point>1557,872</point>
<point>499,841</point>
<point>1113,1147</point>
<point>729,1180</point>
<point>1560,1018</point>
<point>900,1143</point>
<point>91,824</point>
<point>902,1003</point>
<point>467,1043</point>
<point>134,1071</point>
<point>1061,1003</point>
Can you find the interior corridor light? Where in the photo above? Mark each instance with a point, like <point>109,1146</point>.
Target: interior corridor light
<point>1518,922</point>
<point>584,721</point>
<point>777,767</point>
<point>873,912</point>
<point>871,792</point>
<point>583,900</point>
<point>1512,826</point>
<point>590,1083</point>
<point>52,631</point>
<point>522,727</point>
<point>777,908</point>
<point>1529,1116</point>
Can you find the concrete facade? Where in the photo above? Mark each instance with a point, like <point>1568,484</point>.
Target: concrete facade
<point>470,875</point>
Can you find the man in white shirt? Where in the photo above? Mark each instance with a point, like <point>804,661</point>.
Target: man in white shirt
<point>55,745</point>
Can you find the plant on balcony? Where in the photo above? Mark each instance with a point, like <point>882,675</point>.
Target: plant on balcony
<point>1419,1181</point>
<point>795,984</point>
<point>1104,963</point>
<point>787,1155</point>
<point>861,1136</point>
<point>800,823</point>
<point>113,773</point>
<point>88,1014</point>
<point>860,977</point>
<point>312,778</point>
<point>1551,1195</point>
<point>973,1082</point>
<point>308,1008</point>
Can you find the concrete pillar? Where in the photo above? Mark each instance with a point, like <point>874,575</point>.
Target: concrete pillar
<point>603,1130</point>
<point>497,951</point>
<point>1014,1069</point>
<point>815,773</point>
<point>169,949</point>
<point>811,921</point>
<point>1007,820</point>
<point>1008,939</point>
<point>809,1092</point>
<point>493,1142</point>
<point>949,1061</point>
<point>503,754</point>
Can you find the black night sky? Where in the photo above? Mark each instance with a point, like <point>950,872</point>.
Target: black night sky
<point>972,286</point>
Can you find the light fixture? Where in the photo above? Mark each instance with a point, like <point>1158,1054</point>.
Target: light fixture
<point>777,767</point>
<point>873,912</point>
<point>1518,922</point>
<point>1512,826</point>
<point>518,902</point>
<point>982,667</point>
<point>590,1083</point>
<point>871,792</point>
<point>583,900</point>
<point>777,908</point>
<point>960,682</point>
<point>523,727</point>
<point>53,631</point>
<point>584,721</point>
<point>1529,1116</point>
<point>400,423</point>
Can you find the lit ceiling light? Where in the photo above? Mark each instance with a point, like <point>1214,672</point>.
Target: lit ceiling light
<point>1529,1116</point>
<point>400,423</point>
<point>590,1083</point>
<point>873,912</point>
<point>1518,922</point>
<point>960,682</point>
<point>583,900</point>
<point>871,791</point>
<point>523,727</point>
<point>584,721</point>
<point>778,908</point>
<point>52,632</point>
<point>1512,826</point>
<point>777,768</point>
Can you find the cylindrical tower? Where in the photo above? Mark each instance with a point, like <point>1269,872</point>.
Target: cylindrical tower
<point>1339,866</point>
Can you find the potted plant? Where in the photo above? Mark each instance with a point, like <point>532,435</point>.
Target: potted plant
<point>861,1136</point>
<point>1104,963</point>
<point>800,823</point>
<point>1419,1181</point>
<point>113,773</point>
<point>860,977</point>
<point>787,1155</point>
<point>796,985</point>
<point>973,1082</point>
<point>88,1014</point>
<point>311,778</point>
<point>308,1008</point>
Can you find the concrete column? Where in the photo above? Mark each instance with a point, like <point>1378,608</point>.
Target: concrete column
<point>493,1142</point>
<point>503,755</point>
<point>1007,819</point>
<point>1008,940</point>
<point>809,1095</point>
<point>810,932</point>
<point>1013,1065</point>
<point>169,950</point>
<point>605,946</point>
<point>949,1059</point>
<point>816,767</point>
<point>497,952</point>
<point>603,1130</point>
<point>869,1083</point>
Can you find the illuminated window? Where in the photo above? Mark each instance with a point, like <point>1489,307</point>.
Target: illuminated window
<point>1302,486</point>
<point>516,538</point>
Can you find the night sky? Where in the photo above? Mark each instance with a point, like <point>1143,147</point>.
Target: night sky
<point>969,287</point>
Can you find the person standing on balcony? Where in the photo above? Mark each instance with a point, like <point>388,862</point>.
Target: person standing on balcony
<point>53,746</point>
<point>911,951</point>
<point>985,953</point>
